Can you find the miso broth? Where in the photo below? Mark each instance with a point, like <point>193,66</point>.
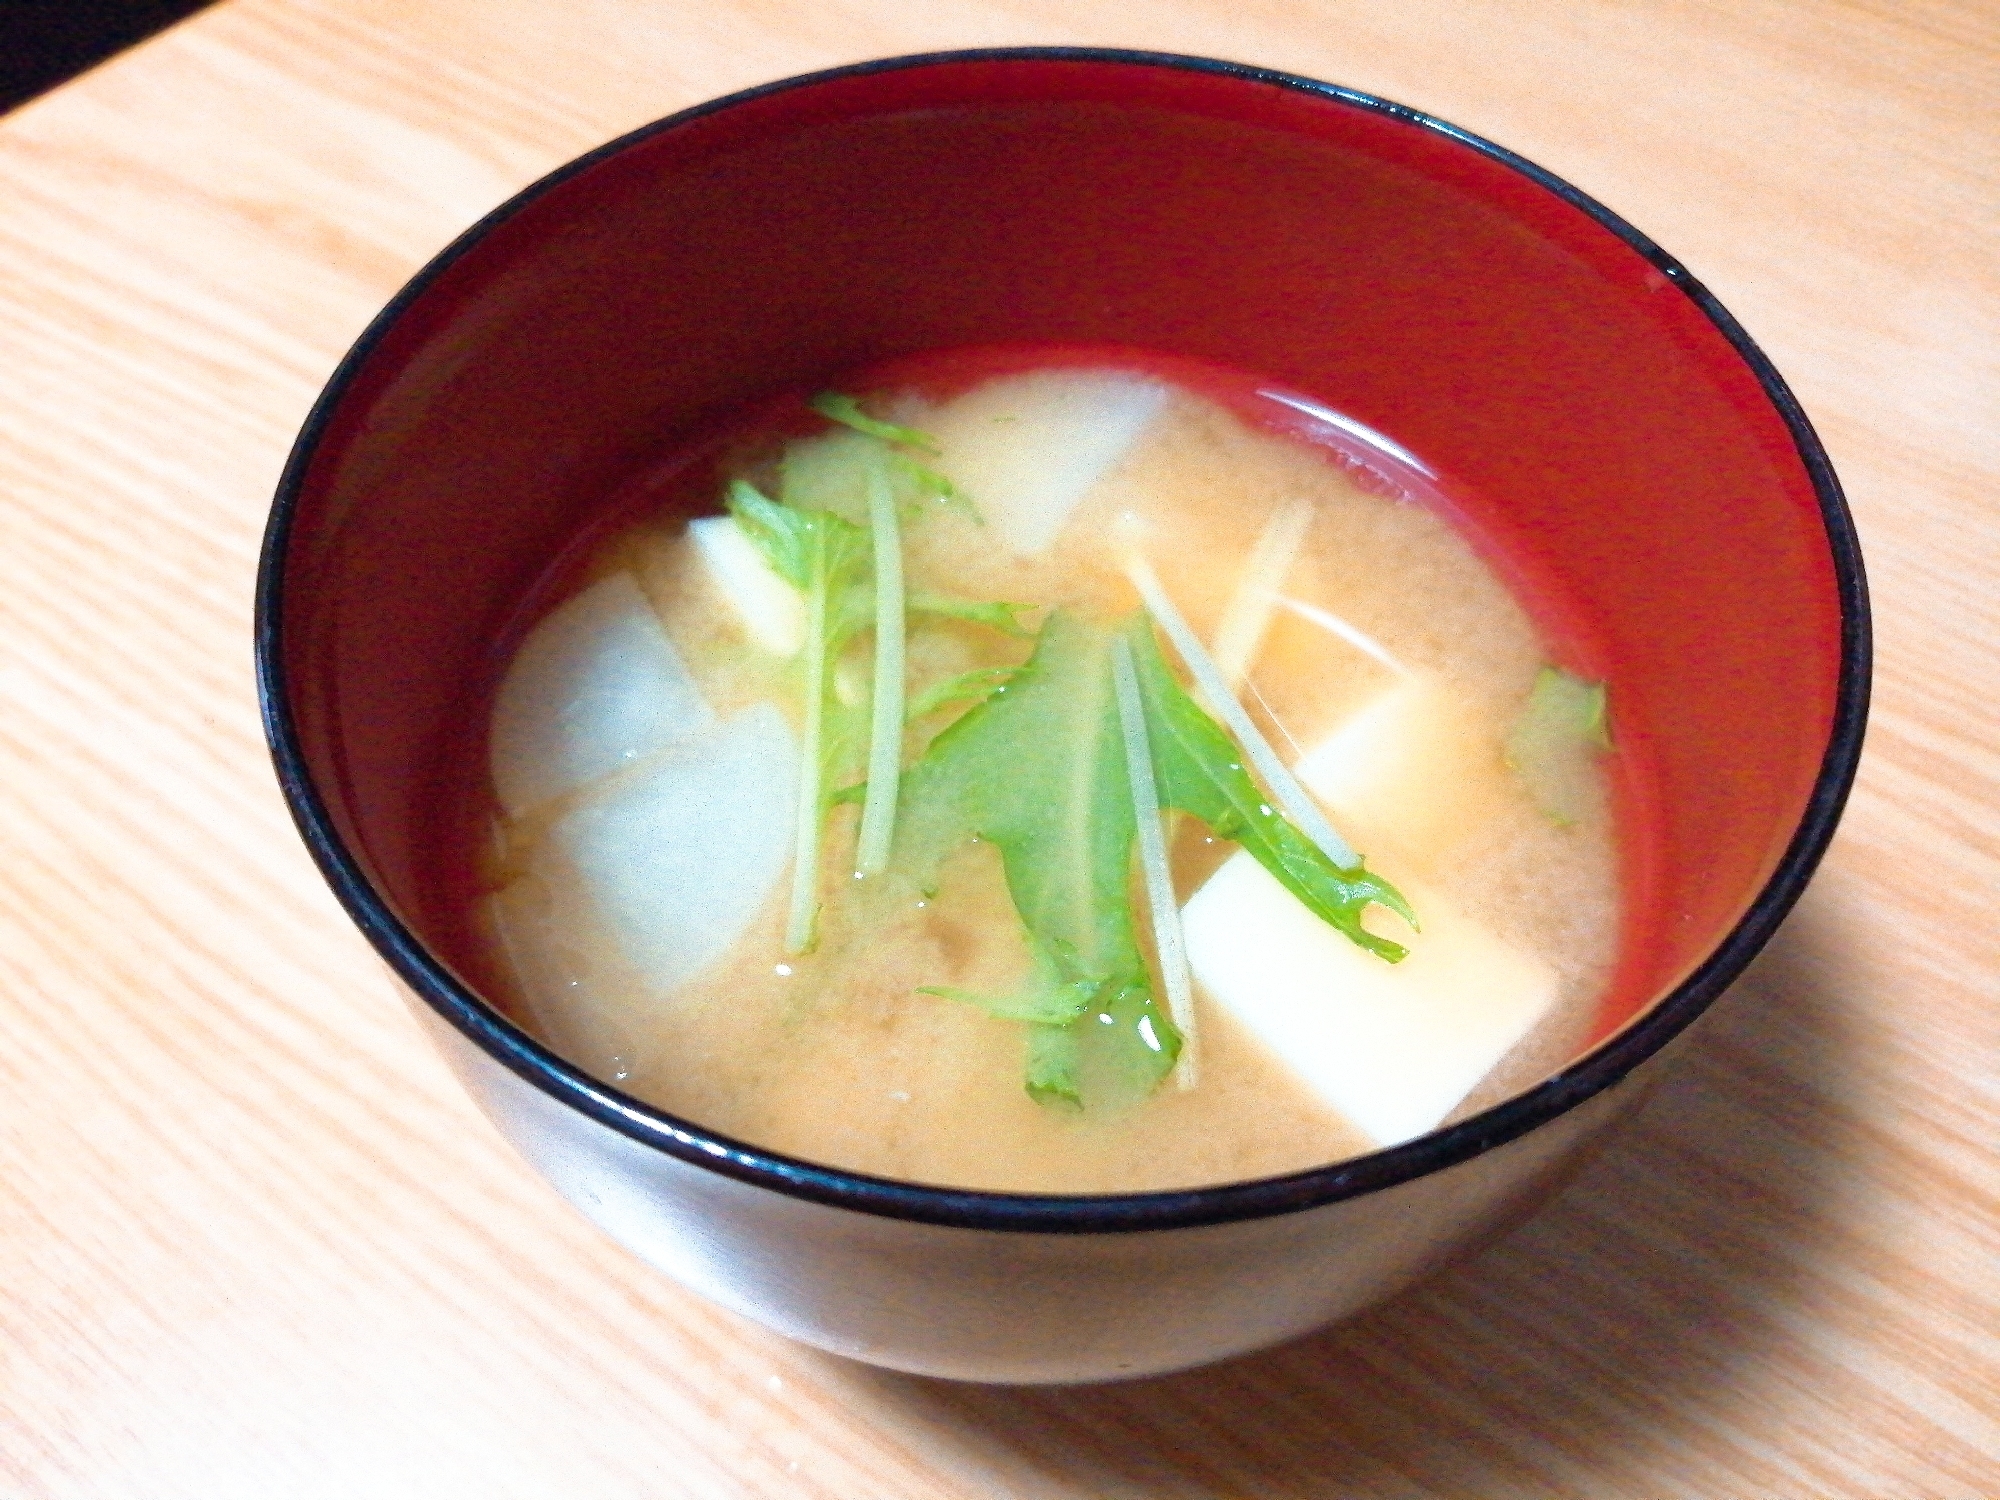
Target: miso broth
<point>1093,554</point>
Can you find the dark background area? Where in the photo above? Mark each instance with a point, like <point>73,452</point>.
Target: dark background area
<point>44,42</point>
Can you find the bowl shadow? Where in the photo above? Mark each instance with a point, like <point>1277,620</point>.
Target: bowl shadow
<point>1607,1338</point>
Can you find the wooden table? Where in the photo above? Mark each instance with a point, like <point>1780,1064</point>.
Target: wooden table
<point>253,1240</point>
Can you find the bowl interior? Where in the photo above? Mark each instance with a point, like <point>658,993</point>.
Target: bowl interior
<point>1592,421</point>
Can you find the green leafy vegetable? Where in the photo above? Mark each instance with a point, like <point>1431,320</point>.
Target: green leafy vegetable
<point>1005,618</point>
<point>845,410</point>
<point>976,685</point>
<point>1278,779</point>
<point>1057,1007</point>
<point>790,537</point>
<point>918,479</point>
<point>927,481</point>
<point>1119,1048</point>
<point>1055,1065</point>
<point>1163,908</point>
<point>835,538</point>
<point>1553,744</point>
<point>1200,771</point>
<point>1037,769</point>
<point>824,557</point>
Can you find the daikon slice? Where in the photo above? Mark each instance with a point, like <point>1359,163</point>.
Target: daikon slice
<point>1026,449</point>
<point>595,687</point>
<point>588,1006</point>
<point>677,858</point>
<point>1392,1047</point>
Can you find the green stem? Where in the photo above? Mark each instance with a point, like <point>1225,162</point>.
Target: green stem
<point>799,930</point>
<point>1168,942</point>
<point>1284,787</point>
<point>885,741</point>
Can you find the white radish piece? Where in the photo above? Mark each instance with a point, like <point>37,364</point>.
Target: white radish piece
<point>1393,1047</point>
<point>768,608</point>
<point>678,858</point>
<point>586,1004</point>
<point>595,687</point>
<point>1027,448</point>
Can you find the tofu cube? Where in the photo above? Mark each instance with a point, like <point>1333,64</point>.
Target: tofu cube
<point>1392,1047</point>
<point>1414,769</point>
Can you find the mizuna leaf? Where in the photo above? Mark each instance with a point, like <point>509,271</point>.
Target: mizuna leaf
<point>1038,771</point>
<point>1200,771</point>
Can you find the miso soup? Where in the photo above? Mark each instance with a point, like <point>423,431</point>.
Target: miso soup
<point>1057,774</point>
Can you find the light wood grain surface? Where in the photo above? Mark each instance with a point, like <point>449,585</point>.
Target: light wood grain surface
<point>255,1243</point>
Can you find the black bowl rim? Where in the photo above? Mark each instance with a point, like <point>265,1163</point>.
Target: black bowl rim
<point>1603,1067</point>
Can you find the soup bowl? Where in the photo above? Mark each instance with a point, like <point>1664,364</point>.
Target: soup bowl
<point>1591,409</point>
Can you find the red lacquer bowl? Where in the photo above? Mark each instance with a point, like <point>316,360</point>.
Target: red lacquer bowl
<point>1596,414</point>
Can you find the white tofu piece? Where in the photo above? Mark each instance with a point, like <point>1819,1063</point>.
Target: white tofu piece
<point>769,609</point>
<point>1392,1047</point>
<point>1414,767</point>
<point>1028,448</point>
<point>595,686</point>
<point>676,860</point>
